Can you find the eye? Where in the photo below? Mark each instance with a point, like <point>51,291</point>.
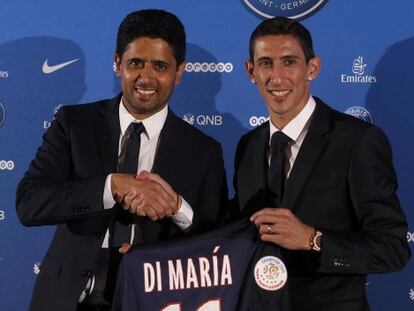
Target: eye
<point>265,63</point>
<point>136,63</point>
<point>289,61</point>
<point>160,66</point>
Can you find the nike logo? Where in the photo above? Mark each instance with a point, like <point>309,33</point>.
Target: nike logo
<point>49,69</point>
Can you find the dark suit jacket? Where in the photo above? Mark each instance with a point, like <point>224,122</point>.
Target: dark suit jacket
<point>343,183</point>
<point>65,182</point>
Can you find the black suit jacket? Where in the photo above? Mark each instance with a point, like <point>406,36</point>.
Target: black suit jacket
<point>65,182</point>
<point>343,183</point>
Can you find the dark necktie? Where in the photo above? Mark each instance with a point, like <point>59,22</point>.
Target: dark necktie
<point>276,171</point>
<point>127,163</point>
<point>108,262</point>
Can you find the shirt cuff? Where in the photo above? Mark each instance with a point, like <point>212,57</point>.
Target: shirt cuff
<point>184,217</point>
<point>108,199</point>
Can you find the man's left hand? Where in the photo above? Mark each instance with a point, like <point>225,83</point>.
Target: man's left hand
<point>280,226</point>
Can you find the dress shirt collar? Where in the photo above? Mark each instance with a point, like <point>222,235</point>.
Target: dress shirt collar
<point>295,127</point>
<point>153,124</point>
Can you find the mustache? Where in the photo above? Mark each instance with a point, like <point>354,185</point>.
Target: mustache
<point>146,85</point>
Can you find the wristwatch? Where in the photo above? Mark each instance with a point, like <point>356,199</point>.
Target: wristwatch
<point>315,241</point>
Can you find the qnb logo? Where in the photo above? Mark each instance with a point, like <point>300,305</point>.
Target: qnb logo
<point>209,67</point>
<point>411,294</point>
<point>214,120</point>
<point>36,267</point>
<point>293,8</point>
<point>256,121</point>
<point>4,74</point>
<point>360,113</point>
<point>189,118</point>
<point>6,165</point>
<point>410,237</point>
<point>46,124</point>
<point>2,215</point>
<point>358,70</point>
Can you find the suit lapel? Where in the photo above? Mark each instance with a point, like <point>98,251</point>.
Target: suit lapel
<point>309,153</point>
<point>107,132</point>
<point>251,179</point>
<point>167,143</point>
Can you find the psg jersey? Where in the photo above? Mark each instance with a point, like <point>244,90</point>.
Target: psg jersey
<point>228,269</point>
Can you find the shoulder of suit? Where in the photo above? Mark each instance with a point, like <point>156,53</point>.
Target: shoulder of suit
<point>263,128</point>
<point>342,120</point>
<point>86,106</point>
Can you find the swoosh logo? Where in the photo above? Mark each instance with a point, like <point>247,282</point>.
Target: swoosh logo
<point>49,69</point>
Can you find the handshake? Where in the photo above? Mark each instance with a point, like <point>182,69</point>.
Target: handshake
<point>145,194</point>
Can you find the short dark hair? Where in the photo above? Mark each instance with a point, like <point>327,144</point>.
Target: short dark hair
<point>156,24</point>
<point>283,26</point>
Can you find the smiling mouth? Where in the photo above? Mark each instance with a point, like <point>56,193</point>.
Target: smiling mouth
<point>145,93</point>
<point>282,93</point>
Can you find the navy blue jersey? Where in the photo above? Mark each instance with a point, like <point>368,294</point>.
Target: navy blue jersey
<point>227,269</point>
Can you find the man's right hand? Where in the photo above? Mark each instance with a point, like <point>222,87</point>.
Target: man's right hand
<point>144,196</point>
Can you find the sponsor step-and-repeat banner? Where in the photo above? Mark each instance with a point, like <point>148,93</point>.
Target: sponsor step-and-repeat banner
<point>55,53</point>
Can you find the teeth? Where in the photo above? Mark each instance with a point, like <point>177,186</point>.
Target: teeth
<point>280,93</point>
<point>146,92</point>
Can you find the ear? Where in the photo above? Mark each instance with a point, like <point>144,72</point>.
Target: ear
<point>179,73</point>
<point>250,70</point>
<point>314,67</point>
<point>117,62</point>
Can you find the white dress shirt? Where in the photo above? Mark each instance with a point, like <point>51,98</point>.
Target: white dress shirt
<point>147,151</point>
<point>296,130</point>
<point>148,148</point>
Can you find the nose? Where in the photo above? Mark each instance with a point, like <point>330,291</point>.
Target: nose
<point>145,73</point>
<point>276,73</point>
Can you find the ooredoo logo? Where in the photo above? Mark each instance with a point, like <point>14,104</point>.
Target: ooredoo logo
<point>209,67</point>
<point>256,121</point>
<point>6,165</point>
<point>296,9</point>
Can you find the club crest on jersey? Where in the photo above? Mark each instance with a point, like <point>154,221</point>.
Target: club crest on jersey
<point>270,273</point>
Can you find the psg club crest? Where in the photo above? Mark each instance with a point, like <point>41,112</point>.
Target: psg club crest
<point>270,273</point>
<point>296,9</point>
<point>360,113</point>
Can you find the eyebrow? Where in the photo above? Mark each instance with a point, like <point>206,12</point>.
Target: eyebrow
<point>290,56</point>
<point>153,61</point>
<point>264,58</point>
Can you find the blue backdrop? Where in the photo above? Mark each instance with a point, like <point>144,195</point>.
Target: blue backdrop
<point>366,47</point>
